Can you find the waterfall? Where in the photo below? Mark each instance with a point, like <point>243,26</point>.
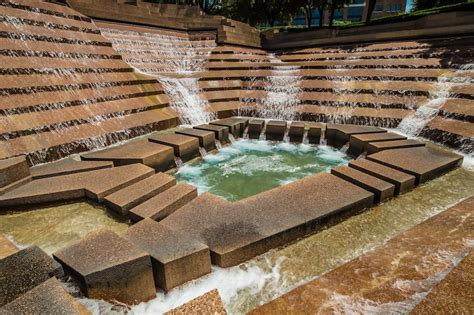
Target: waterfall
<point>174,62</point>
<point>218,145</point>
<point>413,124</point>
<point>283,92</point>
<point>202,152</point>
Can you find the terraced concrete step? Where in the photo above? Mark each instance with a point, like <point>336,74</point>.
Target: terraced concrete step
<point>129,197</point>
<point>185,147</point>
<point>374,147</point>
<point>382,189</point>
<point>233,124</point>
<point>67,166</point>
<point>275,130</point>
<point>12,170</point>
<point>358,143</point>
<point>164,204</point>
<point>221,132</point>
<point>338,135</point>
<point>425,163</point>
<point>255,128</point>
<point>403,182</point>
<point>157,156</point>
<point>207,139</point>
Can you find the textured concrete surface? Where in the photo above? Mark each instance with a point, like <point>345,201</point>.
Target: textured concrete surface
<point>159,157</point>
<point>255,128</point>
<point>382,189</point>
<point>13,170</point>
<point>314,133</point>
<point>108,267</point>
<point>207,139</point>
<point>176,258</point>
<point>221,132</point>
<point>50,297</point>
<point>184,147</point>
<point>6,247</point>
<point>400,271</point>
<point>374,147</point>
<point>67,166</point>
<point>358,143</point>
<point>165,203</point>
<point>337,135</point>
<point>129,197</point>
<point>236,232</point>
<point>403,182</point>
<point>425,163</point>
<point>296,132</point>
<point>209,303</point>
<point>24,270</point>
<point>232,123</point>
<point>275,130</point>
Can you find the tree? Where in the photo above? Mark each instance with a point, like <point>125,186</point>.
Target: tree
<point>208,5</point>
<point>277,10</point>
<point>336,4</point>
<point>308,7</point>
<point>370,9</point>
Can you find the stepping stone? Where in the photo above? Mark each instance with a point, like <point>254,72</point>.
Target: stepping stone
<point>125,199</point>
<point>185,147</point>
<point>108,267</point>
<point>255,128</point>
<point>374,147</point>
<point>6,247</point>
<point>337,135</point>
<point>221,132</point>
<point>296,131</point>
<point>275,130</point>
<point>358,143</point>
<point>207,139</point>
<point>176,258</point>
<point>382,189</point>
<point>24,270</point>
<point>159,157</point>
<point>162,205</point>
<point>314,133</point>
<point>50,297</point>
<point>425,163</point>
<point>403,182</point>
<point>208,303</point>
<point>231,123</point>
<point>13,170</point>
<point>67,166</point>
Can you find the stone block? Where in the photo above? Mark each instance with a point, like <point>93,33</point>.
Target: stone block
<point>221,132</point>
<point>207,139</point>
<point>125,199</point>
<point>231,123</point>
<point>24,270</point>
<point>296,132</point>
<point>425,163</point>
<point>108,267</point>
<point>374,147</point>
<point>403,182</point>
<point>184,147</point>
<point>13,170</point>
<point>337,135</point>
<point>176,257</point>
<point>314,133</point>
<point>208,303</point>
<point>275,130</point>
<point>358,143</point>
<point>159,157</point>
<point>255,128</point>
<point>382,189</point>
<point>67,166</point>
<point>162,205</point>
<point>50,297</point>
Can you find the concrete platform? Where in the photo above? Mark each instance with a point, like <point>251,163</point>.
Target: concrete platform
<point>314,133</point>
<point>129,197</point>
<point>162,205</point>
<point>233,124</point>
<point>13,170</point>
<point>358,143</point>
<point>108,267</point>
<point>374,147</point>
<point>275,130</point>
<point>236,232</point>
<point>255,128</point>
<point>6,247</point>
<point>296,132</point>
<point>159,157</point>
<point>24,270</point>
<point>425,163</point>
<point>208,303</point>
<point>50,297</point>
<point>382,189</point>
<point>94,185</point>
<point>221,132</point>
<point>403,182</point>
<point>67,166</point>
<point>207,139</point>
<point>185,147</point>
<point>337,135</point>
<point>15,185</point>
<point>176,258</point>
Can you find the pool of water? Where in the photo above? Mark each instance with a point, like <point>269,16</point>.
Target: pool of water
<point>249,167</point>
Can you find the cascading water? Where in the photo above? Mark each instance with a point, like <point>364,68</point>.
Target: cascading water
<point>173,61</point>
<point>413,124</point>
<point>283,92</point>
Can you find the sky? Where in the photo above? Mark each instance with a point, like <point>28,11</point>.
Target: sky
<point>408,5</point>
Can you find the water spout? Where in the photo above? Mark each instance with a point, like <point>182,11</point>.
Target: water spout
<point>178,162</point>
<point>203,152</point>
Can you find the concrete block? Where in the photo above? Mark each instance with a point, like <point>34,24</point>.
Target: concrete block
<point>221,132</point>
<point>13,170</point>
<point>184,147</point>
<point>255,128</point>
<point>358,143</point>
<point>207,138</point>
<point>275,130</point>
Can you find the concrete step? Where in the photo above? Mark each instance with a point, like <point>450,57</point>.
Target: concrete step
<point>207,139</point>
<point>67,166</point>
<point>221,132</point>
<point>377,146</point>
<point>382,189</point>
<point>164,204</point>
<point>185,147</point>
<point>129,197</point>
<point>358,143</point>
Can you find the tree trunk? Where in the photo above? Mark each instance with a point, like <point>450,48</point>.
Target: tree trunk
<point>370,9</point>
<point>331,18</point>
<point>309,15</point>
<point>321,16</point>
